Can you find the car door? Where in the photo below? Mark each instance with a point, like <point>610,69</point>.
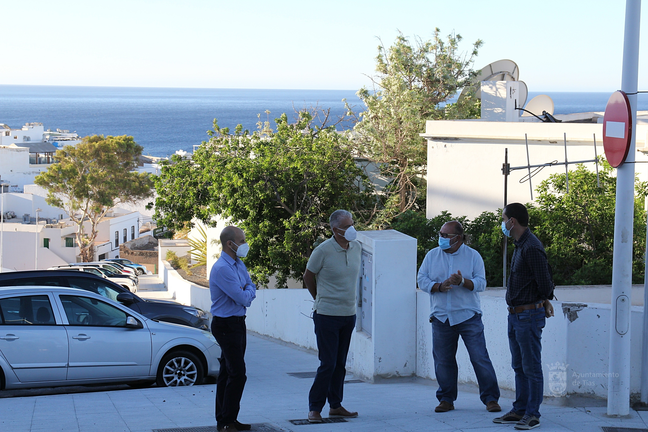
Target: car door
<point>101,346</point>
<point>33,344</point>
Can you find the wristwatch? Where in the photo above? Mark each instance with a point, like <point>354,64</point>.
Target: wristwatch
<point>462,281</point>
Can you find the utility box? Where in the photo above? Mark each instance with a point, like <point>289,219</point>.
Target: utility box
<point>384,344</point>
<point>499,100</point>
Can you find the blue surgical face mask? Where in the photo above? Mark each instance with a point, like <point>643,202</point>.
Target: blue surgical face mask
<point>444,243</point>
<point>506,231</point>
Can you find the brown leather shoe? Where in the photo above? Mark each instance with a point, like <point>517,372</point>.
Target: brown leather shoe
<point>314,417</point>
<point>342,412</point>
<point>444,406</point>
<point>493,406</point>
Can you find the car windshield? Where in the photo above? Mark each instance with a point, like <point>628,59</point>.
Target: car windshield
<point>96,286</point>
<point>109,271</point>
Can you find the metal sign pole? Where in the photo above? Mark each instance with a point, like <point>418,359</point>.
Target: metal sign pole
<point>505,170</point>
<point>619,354</point>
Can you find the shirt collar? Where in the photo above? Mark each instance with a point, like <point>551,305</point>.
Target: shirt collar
<point>525,235</point>
<point>228,259</point>
<point>457,251</point>
<point>339,248</point>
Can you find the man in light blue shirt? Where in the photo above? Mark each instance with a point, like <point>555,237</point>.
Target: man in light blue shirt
<point>232,292</point>
<point>453,274</point>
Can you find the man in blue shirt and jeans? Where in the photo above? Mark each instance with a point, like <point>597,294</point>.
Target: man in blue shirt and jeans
<point>453,274</point>
<point>232,291</point>
<point>528,291</point>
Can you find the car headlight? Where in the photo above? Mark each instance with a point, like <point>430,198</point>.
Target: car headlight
<point>198,313</point>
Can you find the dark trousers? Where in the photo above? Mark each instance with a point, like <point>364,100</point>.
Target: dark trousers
<point>333,339</point>
<point>230,333</point>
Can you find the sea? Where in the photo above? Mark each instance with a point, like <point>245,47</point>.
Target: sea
<point>165,120</point>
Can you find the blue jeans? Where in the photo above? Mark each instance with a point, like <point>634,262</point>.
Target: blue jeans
<point>525,335</point>
<point>445,339</point>
<point>333,339</point>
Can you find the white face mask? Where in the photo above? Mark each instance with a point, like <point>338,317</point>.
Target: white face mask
<point>350,233</point>
<point>242,250</point>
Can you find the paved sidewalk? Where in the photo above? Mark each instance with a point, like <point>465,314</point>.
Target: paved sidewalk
<point>279,377</point>
<point>275,399</point>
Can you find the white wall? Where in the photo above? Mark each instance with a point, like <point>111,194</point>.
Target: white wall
<point>576,342</point>
<point>15,168</point>
<point>465,160</point>
<point>116,222</point>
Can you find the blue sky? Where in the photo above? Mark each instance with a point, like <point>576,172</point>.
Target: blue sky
<point>558,45</point>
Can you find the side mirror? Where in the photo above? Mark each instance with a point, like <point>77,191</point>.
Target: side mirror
<point>133,323</point>
<point>125,298</point>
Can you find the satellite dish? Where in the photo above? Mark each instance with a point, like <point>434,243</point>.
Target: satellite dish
<point>524,93</point>
<point>500,70</point>
<point>539,104</point>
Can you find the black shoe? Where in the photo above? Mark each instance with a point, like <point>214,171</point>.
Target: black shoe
<point>242,426</point>
<point>528,422</point>
<point>510,417</point>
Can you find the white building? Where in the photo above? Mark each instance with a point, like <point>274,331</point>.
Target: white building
<point>24,153</point>
<point>41,236</point>
<point>465,158</point>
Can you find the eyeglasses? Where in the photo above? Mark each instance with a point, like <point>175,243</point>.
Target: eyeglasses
<point>448,236</point>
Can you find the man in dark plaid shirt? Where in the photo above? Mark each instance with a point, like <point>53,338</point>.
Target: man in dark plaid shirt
<point>529,289</point>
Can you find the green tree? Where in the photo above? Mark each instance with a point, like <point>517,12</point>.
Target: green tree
<point>486,238</point>
<point>92,177</point>
<point>425,231</point>
<point>279,187</point>
<point>411,85</point>
<point>577,227</point>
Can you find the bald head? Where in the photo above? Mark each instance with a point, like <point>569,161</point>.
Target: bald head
<point>229,234</point>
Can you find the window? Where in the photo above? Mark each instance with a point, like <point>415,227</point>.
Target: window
<point>125,236</point>
<point>26,310</point>
<point>85,311</point>
<point>46,242</point>
<point>69,242</point>
<point>132,232</point>
<point>97,287</point>
<point>116,239</point>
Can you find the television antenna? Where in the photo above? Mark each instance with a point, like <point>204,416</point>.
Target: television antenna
<point>532,170</point>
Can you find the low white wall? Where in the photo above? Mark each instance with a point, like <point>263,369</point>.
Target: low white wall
<point>182,290</point>
<point>284,314</point>
<point>574,343</point>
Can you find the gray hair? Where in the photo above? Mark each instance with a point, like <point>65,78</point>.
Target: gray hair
<point>337,216</point>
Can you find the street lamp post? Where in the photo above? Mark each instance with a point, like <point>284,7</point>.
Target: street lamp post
<point>1,224</point>
<point>36,254</point>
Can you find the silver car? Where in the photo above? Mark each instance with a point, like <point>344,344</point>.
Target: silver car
<point>54,336</point>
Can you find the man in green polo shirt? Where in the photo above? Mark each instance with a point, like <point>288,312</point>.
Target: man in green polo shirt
<point>331,278</point>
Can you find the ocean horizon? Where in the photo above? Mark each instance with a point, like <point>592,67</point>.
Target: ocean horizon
<point>164,120</point>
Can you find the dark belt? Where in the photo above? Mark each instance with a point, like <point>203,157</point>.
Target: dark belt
<point>229,318</point>
<point>518,309</point>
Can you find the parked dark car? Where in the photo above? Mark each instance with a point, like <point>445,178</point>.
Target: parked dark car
<point>161,310</point>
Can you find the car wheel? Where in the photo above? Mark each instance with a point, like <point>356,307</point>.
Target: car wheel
<point>140,272</point>
<point>180,368</point>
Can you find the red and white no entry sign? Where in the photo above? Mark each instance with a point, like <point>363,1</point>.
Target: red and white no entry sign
<point>617,128</point>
